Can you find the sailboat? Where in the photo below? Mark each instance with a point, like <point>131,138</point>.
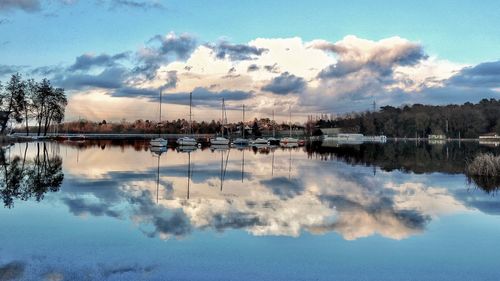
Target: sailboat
<point>242,141</point>
<point>260,141</point>
<point>289,140</point>
<point>159,141</point>
<point>221,140</point>
<point>273,140</point>
<point>188,141</point>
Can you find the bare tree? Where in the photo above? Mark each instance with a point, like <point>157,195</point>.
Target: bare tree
<point>49,104</point>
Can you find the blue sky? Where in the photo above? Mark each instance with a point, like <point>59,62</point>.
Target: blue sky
<point>35,33</point>
<point>465,31</point>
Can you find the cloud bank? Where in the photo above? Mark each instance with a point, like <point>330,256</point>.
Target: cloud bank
<point>269,74</point>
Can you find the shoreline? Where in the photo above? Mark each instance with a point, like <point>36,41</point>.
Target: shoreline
<point>173,137</point>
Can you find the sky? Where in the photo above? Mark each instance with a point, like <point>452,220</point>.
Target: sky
<point>313,57</point>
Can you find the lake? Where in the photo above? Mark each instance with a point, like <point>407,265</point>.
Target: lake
<point>104,210</point>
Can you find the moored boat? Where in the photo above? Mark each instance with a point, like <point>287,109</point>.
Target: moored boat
<point>159,141</point>
<point>273,141</point>
<point>289,139</point>
<point>241,141</point>
<point>260,141</point>
<point>219,141</point>
<point>187,141</point>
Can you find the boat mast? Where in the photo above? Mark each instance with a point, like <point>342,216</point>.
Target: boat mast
<point>222,119</point>
<point>159,124</point>
<point>190,113</point>
<point>243,132</point>
<point>274,129</point>
<point>290,123</point>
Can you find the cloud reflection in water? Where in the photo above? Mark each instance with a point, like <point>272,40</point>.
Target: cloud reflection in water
<point>277,192</point>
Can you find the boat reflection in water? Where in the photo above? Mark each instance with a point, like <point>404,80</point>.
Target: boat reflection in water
<point>215,200</point>
<point>269,173</point>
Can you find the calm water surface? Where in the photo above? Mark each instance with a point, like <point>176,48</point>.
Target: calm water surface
<point>117,211</point>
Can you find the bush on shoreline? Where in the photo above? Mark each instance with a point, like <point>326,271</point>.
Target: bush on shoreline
<point>484,172</point>
<point>485,165</point>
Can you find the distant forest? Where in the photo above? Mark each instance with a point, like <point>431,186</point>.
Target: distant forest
<point>467,120</point>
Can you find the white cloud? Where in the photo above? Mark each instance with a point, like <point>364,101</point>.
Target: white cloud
<point>337,77</point>
<point>428,73</point>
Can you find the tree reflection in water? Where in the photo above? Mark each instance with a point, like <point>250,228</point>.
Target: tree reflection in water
<point>23,178</point>
<point>261,193</point>
<point>490,185</point>
<point>413,157</point>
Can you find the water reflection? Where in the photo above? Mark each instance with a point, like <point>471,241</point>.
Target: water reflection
<point>408,156</point>
<point>490,185</point>
<point>272,191</point>
<point>415,157</point>
<point>23,177</point>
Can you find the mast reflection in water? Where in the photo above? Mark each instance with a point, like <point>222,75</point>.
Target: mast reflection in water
<point>121,197</point>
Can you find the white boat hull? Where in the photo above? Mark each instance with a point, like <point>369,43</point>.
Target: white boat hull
<point>219,141</point>
<point>187,142</point>
<point>158,142</point>
<point>289,140</point>
<point>260,141</point>
<point>240,141</point>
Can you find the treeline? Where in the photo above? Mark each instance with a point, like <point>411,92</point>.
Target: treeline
<point>257,127</point>
<point>31,102</point>
<point>466,121</point>
<point>138,127</point>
